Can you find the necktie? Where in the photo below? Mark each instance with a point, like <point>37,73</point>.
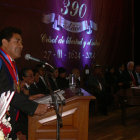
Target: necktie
<point>133,79</point>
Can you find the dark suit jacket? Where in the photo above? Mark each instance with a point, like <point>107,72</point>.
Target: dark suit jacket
<point>102,96</point>
<point>34,89</point>
<point>19,102</point>
<point>63,83</point>
<point>53,84</point>
<point>126,78</point>
<point>93,84</point>
<point>43,88</point>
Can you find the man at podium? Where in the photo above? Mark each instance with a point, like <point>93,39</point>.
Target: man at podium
<point>10,49</point>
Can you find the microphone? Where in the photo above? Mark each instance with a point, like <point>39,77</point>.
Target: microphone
<point>29,57</point>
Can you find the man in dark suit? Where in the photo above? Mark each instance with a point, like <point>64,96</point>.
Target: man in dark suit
<point>129,78</point>
<point>31,79</point>
<point>52,79</point>
<point>42,83</point>
<point>10,49</point>
<point>97,87</point>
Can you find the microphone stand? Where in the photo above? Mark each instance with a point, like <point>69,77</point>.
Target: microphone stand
<point>56,108</point>
<point>49,65</point>
<point>59,118</point>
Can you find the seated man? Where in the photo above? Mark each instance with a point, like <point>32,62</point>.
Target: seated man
<point>129,78</point>
<point>30,83</point>
<point>97,87</point>
<point>42,84</point>
<point>53,80</point>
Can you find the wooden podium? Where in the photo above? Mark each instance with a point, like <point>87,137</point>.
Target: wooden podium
<point>75,118</point>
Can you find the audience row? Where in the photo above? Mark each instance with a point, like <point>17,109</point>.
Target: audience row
<point>101,82</point>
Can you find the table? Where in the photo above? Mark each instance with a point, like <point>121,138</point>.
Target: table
<point>128,97</point>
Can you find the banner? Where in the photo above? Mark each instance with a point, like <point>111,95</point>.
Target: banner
<point>72,33</point>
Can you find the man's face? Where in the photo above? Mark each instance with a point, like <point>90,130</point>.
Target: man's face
<point>130,67</point>
<point>36,77</point>
<point>42,71</point>
<point>29,78</point>
<point>14,46</point>
<point>122,68</point>
<point>55,73</point>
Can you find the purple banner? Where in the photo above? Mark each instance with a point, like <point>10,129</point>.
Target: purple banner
<point>72,34</point>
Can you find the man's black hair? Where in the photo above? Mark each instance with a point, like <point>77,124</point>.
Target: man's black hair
<point>38,66</point>
<point>23,73</point>
<point>61,70</point>
<point>8,32</point>
<point>35,71</point>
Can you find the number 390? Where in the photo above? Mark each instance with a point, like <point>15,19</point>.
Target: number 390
<point>75,8</point>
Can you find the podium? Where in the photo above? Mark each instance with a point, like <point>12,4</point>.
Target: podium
<point>75,118</point>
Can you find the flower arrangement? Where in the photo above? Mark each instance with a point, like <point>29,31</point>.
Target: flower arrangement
<point>5,126</point>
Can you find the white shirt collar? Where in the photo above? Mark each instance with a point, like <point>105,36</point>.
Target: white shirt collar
<point>27,85</point>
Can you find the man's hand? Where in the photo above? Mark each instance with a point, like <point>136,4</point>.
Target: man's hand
<point>23,88</point>
<point>41,109</point>
<point>33,97</point>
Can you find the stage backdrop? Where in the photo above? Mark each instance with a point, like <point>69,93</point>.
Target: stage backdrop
<point>72,33</point>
